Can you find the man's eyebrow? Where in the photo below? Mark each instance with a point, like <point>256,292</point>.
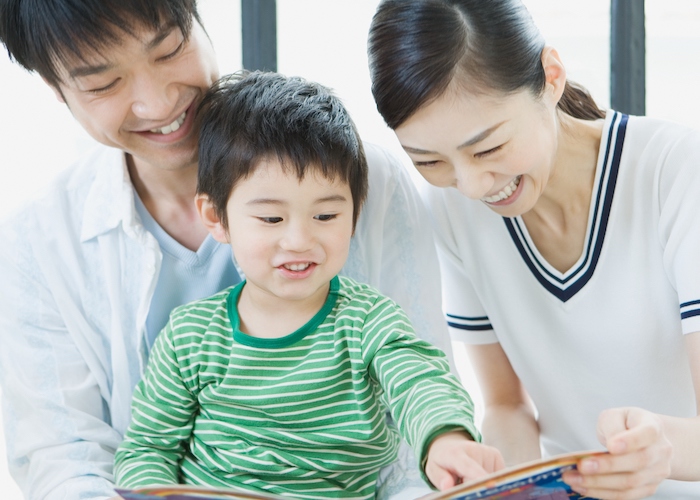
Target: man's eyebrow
<point>94,69</point>
<point>160,36</point>
<point>469,142</point>
<point>88,70</point>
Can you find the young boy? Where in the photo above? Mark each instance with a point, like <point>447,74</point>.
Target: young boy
<point>281,383</point>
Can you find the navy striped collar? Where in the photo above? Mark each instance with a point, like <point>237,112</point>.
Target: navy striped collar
<point>565,286</point>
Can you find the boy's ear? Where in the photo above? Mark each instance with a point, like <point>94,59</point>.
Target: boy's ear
<point>210,219</point>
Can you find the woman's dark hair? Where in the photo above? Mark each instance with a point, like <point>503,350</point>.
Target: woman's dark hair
<point>41,34</point>
<point>249,117</point>
<point>417,47</point>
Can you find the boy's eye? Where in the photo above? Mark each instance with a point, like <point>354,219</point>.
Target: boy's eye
<point>270,220</point>
<point>325,217</point>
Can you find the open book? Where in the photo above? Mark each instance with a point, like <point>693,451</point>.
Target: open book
<point>540,479</point>
<point>183,492</point>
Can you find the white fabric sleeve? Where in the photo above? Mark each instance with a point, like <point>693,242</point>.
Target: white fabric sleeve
<point>59,442</point>
<point>467,320</point>
<point>393,248</point>
<point>466,317</point>
<point>679,224</point>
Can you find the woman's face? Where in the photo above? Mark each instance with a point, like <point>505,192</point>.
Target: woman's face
<point>499,149</point>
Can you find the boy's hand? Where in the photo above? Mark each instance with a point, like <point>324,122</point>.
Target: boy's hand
<point>639,459</point>
<point>453,458</point>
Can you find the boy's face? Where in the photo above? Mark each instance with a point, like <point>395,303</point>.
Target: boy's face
<point>141,95</point>
<point>290,237</point>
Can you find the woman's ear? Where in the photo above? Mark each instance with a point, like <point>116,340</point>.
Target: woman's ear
<point>210,218</point>
<point>554,72</point>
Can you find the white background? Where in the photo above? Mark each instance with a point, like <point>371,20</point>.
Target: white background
<point>324,40</point>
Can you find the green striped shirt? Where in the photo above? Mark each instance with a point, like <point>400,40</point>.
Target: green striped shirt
<point>302,415</point>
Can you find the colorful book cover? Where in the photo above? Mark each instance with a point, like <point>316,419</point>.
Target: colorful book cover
<point>538,480</point>
<point>182,492</point>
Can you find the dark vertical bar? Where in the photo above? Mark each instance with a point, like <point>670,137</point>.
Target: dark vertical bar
<point>259,31</point>
<point>627,57</point>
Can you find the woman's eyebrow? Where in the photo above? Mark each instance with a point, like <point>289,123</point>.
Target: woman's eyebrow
<point>469,142</point>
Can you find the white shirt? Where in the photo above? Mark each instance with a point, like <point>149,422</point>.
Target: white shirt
<point>78,273</point>
<point>609,331</point>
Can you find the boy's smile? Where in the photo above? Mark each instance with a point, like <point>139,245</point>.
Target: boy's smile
<point>289,236</point>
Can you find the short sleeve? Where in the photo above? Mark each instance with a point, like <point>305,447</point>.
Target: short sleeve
<point>466,318</point>
<point>679,224</point>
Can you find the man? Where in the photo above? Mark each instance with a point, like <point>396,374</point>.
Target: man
<point>91,271</point>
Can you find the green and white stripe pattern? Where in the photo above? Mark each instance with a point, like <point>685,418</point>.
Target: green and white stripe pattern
<point>302,415</point>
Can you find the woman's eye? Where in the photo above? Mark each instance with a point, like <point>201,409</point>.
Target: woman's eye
<point>425,164</point>
<point>270,220</point>
<point>482,154</point>
<point>325,217</point>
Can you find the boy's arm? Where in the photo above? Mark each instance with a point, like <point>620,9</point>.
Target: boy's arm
<point>163,411</point>
<point>424,398</point>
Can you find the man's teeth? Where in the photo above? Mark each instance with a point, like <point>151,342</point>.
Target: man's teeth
<point>172,127</point>
<point>504,193</point>
<point>297,267</point>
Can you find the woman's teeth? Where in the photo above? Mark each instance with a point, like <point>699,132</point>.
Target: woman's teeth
<point>297,267</point>
<point>504,193</point>
<point>172,127</point>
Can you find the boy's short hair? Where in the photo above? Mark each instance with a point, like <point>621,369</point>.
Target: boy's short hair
<point>248,117</point>
<point>42,34</point>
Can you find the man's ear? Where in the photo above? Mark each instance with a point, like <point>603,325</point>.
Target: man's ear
<point>210,218</point>
<point>57,92</point>
<point>554,72</point>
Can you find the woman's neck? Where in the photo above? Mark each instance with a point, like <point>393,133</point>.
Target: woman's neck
<point>558,221</point>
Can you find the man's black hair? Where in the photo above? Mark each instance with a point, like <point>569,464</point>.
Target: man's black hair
<point>43,34</point>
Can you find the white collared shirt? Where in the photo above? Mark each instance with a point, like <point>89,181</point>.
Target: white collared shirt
<point>78,271</point>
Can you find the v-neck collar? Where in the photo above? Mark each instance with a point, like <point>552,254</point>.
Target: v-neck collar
<point>566,285</point>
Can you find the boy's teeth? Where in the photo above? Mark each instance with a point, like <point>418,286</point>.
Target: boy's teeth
<point>296,267</point>
<point>172,127</point>
<point>504,193</point>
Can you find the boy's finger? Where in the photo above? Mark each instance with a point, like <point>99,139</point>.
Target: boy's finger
<point>467,469</point>
<point>441,478</point>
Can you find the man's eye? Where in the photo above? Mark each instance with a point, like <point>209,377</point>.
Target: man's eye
<point>174,52</point>
<point>325,217</point>
<point>270,220</point>
<point>104,89</point>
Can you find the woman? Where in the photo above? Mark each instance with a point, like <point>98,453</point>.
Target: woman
<point>569,239</point>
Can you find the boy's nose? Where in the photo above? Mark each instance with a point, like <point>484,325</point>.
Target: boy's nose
<point>297,238</point>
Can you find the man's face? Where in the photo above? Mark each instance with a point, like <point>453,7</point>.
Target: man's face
<point>141,95</point>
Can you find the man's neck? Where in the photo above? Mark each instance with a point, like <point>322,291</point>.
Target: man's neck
<point>168,195</point>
